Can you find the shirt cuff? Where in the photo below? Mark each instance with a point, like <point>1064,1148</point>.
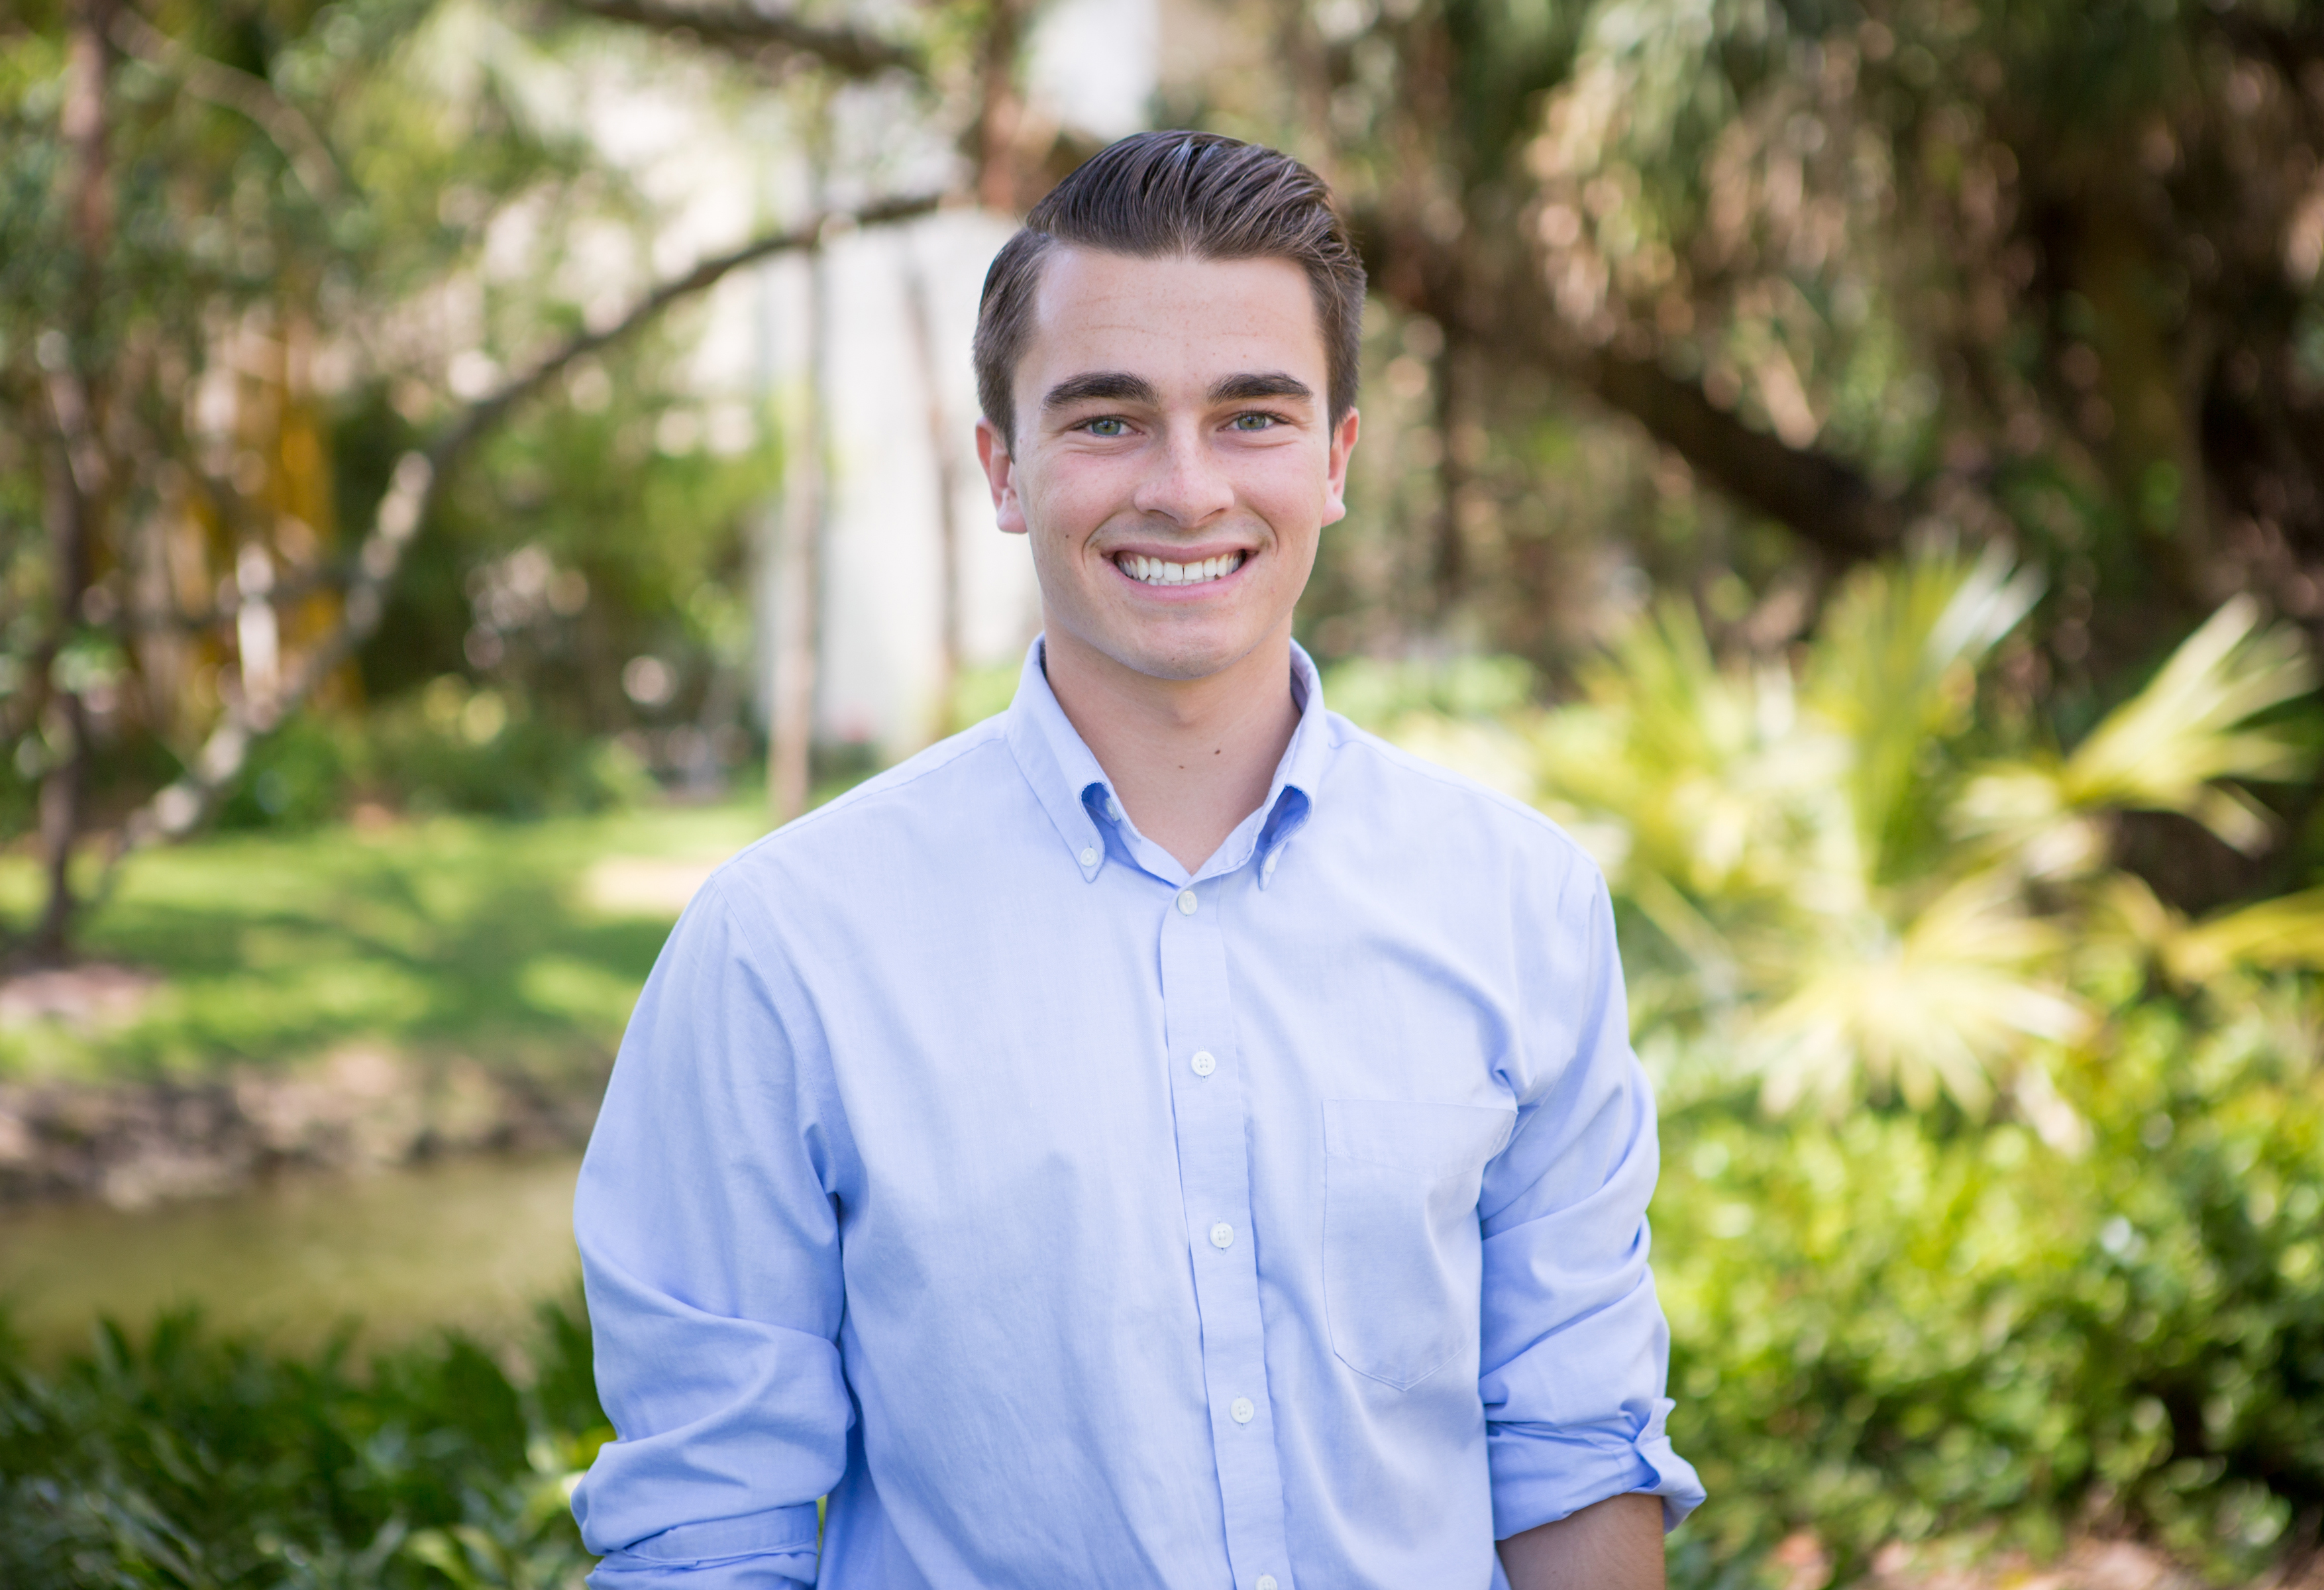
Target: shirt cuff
<point>768,1552</point>
<point>1543,1472</point>
<point>785,1570</point>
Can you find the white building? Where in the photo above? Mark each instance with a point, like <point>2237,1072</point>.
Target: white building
<point>898,415</point>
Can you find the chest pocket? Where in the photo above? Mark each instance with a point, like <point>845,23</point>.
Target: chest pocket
<point>1403,1259</point>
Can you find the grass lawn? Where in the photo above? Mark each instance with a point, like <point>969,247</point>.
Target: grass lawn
<point>493,940</point>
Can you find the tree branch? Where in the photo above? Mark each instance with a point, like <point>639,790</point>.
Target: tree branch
<point>487,410</point>
<point>419,476</point>
<point>311,160</point>
<point>1824,499</point>
<point>845,51</point>
<point>1499,305</point>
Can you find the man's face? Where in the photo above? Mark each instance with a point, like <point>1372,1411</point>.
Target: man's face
<point>1174,463</point>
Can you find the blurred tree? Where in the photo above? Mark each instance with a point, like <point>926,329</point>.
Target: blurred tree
<point>222,339</point>
<point>2039,270</point>
<point>2046,272</point>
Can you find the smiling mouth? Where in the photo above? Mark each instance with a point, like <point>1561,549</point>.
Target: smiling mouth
<point>1154,571</point>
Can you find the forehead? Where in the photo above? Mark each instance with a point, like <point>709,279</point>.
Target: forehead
<point>1174,315</point>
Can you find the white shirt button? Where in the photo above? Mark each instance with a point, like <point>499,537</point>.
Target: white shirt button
<point>1222,1235</point>
<point>1204,1062</point>
<point>1089,856</point>
<point>1240,1410</point>
<point>1187,902</point>
<point>1266,867</point>
<point>1114,808</point>
<point>1263,1582</point>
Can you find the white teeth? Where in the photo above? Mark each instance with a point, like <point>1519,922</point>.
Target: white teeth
<point>1154,571</point>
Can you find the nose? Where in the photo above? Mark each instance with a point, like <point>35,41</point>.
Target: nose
<point>1185,483</point>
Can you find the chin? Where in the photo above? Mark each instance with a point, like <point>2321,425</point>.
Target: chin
<point>1185,660</point>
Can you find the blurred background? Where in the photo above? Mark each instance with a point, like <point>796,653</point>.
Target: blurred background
<point>468,465</point>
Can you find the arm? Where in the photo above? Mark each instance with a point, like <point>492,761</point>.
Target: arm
<point>1575,1350</point>
<point>710,1251</point>
<point>1616,1544</point>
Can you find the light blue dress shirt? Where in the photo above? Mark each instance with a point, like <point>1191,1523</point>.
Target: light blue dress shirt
<point>1068,1219</point>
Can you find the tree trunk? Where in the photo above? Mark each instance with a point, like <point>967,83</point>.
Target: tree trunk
<point>64,786</point>
<point>799,583</point>
<point>1448,567</point>
<point>1000,112</point>
<point>78,476</point>
<point>947,486</point>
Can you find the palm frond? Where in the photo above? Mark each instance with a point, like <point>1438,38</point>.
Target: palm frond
<point>1830,891</point>
<point>2166,748</point>
<point>1894,672</point>
<point>1943,1005</point>
<point>1706,770</point>
<point>2283,934</point>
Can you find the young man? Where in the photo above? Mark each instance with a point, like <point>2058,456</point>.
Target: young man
<point>1162,1136</point>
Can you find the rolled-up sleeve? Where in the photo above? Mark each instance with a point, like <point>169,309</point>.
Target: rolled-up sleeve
<point>710,1252</point>
<point>1575,1348</point>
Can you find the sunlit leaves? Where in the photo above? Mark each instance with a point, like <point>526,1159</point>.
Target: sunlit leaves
<point>1938,1005</point>
<point>1842,886</point>
<point>2168,748</point>
<point>1896,676</point>
<point>2222,948</point>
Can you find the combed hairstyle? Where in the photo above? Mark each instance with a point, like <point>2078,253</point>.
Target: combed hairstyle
<point>1164,195</point>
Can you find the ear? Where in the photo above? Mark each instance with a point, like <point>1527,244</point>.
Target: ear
<point>1335,473</point>
<point>1000,474</point>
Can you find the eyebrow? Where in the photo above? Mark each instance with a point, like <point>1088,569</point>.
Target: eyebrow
<point>1104,385</point>
<point>1120,387</point>
<point>1272,383</point>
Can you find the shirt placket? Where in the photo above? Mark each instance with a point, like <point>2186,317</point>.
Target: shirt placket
<point>1214,1172</point>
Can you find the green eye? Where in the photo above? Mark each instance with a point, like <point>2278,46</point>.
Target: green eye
<point>1107,428</point>
<point>1253,421</point>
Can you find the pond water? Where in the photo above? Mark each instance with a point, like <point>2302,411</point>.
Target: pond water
<point>467,1242</point>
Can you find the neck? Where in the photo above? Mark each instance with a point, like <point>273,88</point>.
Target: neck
<point>1189,759</point>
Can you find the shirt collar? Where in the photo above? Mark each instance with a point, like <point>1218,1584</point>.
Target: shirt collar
<point>1073,790</point>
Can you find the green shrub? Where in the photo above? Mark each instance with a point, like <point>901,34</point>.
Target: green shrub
<point>192,1460</point>
<point>1892,1325</point>
<point>447,748</point>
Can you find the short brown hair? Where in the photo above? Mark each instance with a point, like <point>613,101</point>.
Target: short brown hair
<point>1154,195</point>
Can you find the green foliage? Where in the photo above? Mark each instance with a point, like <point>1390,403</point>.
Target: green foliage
<point>980,693</point>
<point>339,187</point>
<point>1889,1328</point>
<point>538,578</point>
<point>193,1461</point>
<point>1846,879</point>
<point>447,748</point>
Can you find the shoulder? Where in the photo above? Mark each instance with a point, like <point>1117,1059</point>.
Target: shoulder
<point>955,787</point>
<point>1432,806</point>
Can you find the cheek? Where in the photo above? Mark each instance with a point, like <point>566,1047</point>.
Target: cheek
<point>1293,493</point>
<point>1070,502</point>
